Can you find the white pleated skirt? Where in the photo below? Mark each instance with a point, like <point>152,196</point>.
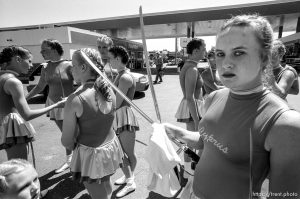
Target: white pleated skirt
<point>15,130</point>
<point>56,113</point>
<point>94,165</point>
<point>183,113</point>
<point>125,120</point>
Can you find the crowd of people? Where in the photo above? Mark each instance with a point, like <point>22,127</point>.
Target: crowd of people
<point>236,114</point>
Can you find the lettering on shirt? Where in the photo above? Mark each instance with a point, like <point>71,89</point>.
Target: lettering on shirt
<point>210,138</point>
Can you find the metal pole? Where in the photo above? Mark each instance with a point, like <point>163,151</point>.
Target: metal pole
<point>148,66</point>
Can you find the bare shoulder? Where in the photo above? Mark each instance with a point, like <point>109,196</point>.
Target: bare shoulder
<point>12,83</point>
<point>126,79</point>
<point>206,74</point>
<point>73,103</point>
<point>285,131</point>
<point>191,71</point>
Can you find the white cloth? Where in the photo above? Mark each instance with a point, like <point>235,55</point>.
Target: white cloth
<point>162,158</point>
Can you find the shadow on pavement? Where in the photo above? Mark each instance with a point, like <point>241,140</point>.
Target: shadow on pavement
<point>139,95</point>
<point>64,186</point>
<point>153,195</point>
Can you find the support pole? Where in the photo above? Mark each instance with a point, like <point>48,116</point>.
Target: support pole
<point>148,66</point>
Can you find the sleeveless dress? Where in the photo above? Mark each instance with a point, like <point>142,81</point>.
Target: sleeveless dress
<point>125,119</point>
<point>183,113</point>
<point>13,128</point>
<point>93,162</point>
<point>60,81</point>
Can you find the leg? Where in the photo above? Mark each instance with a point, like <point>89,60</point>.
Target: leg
<point>156,77</point>
<point>108,187</point>
<point>17,151</point>
<point>65,166</point>
<point>160,76</point>
<point>127,140</point>
<point>97,191</point>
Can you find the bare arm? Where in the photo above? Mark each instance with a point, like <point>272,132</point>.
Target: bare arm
<point>283,143</point>
<point>208,80</point>
<point>39,87</point>
<point>190,86</point>
<point>125,83</point>
<point>14,88</point>
<point>72,111</point>
<point>283,86</point>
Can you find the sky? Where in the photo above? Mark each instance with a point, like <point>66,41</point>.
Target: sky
<point>14,13</point>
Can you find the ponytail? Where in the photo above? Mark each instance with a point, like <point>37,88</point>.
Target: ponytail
<point>103,87</point>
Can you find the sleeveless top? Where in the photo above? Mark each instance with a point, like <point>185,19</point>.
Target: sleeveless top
<point>130,91</point>
<point>199,81</point>
<point>279,71</point>
<point>95,127</point>
<point>6,101</point>
<point>59,78</point>
<point>225,131</point>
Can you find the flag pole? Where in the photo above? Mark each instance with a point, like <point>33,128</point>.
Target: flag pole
<point>148,66</point>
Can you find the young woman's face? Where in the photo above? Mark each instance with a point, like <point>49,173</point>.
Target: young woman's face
<point>201,51</point>
<point>238,58</point>
<point>24,184</point>
<point>103,49</point>
<point>26,64</point>
<point>46,51</point>
<point>212,62</point>
<point>275,59</point>
<point>114,61</point>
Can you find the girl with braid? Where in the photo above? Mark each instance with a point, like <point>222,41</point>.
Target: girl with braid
<point>88,127</point>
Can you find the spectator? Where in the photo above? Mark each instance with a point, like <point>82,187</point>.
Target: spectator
<point>159,68</point>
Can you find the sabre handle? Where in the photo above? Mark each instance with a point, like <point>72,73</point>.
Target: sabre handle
<point>192,154</point>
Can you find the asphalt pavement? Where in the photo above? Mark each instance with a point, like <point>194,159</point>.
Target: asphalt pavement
<point>50,154</point>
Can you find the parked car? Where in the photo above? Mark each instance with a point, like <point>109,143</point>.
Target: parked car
<point>174,62</point>
<point>142,83</point>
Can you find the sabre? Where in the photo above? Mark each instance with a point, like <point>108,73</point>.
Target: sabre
<point>148,66</point>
